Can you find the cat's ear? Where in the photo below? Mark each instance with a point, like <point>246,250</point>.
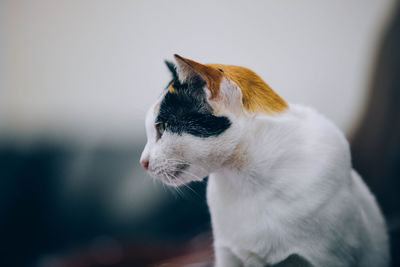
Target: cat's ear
<point>223,94</point>
<point>172,68</point>
<point>189,70</point>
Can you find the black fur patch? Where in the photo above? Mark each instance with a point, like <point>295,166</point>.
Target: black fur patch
<point>187,111</point>
<point>172,68</point>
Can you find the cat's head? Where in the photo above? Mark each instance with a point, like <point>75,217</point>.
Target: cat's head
<point>196,126</point>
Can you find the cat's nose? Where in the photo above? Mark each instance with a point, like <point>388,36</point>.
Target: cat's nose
<point>145,164</point>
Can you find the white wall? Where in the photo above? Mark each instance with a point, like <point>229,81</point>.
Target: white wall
<point>2,66</point>
<point>93,67</point>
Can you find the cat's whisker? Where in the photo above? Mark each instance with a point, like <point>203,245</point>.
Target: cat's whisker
<point>187,186</point>
<point>174,191</point>
<point>187,172</point>
<point>171,180</point>
<point>191,189</point>
<point>179,190</point>
<point>167,188</point>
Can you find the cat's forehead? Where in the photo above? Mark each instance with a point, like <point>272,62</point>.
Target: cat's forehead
<point>176,94</point>
<point>179,99</point>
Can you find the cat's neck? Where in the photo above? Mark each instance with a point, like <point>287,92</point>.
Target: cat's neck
<point>282,154</point>
<point>252,162</point>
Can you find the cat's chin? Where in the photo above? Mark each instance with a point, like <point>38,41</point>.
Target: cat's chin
<point>174,175</point>
<point>175,183</point>
<point>174,179</point>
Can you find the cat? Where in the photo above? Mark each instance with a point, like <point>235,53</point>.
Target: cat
<point>281,185</point>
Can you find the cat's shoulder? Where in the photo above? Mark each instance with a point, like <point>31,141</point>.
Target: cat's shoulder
<point>314,121</point>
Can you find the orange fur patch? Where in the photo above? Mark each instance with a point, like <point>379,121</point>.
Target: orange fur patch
<point>171,89</point>
<point>257,96</point>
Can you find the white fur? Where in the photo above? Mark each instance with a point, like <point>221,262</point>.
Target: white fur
<point>297,195</point>
<point>278,185</point>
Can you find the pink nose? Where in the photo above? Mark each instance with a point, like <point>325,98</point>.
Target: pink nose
<point>145,164</point>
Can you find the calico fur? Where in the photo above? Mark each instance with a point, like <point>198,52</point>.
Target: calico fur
<point>281,185</point>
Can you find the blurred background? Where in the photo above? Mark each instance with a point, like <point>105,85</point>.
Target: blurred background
<point>76,78</point>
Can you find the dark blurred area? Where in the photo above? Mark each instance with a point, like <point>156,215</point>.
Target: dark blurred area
<point>43,225</point>
<point>376,144</point>
<point>48,222</point>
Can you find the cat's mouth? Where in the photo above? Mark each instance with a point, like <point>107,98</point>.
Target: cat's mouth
<point>180,168</point>
<point>170,175</point>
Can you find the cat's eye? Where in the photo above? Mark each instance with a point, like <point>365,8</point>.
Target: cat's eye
<point>160,127</point>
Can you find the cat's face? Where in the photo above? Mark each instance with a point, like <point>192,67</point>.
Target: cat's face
<point>196,126</point>
<point>191,132</point>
